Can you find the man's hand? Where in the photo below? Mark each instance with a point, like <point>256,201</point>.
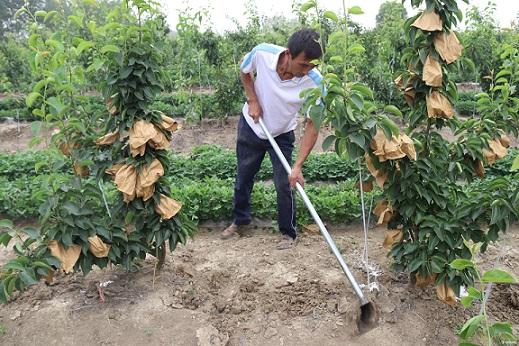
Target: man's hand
<point>296,177</point>
<point>255,111</point>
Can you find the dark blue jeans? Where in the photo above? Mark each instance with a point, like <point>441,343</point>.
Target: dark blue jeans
<point>250,151</point>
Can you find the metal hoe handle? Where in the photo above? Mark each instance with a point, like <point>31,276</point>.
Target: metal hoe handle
<point>316,217</point>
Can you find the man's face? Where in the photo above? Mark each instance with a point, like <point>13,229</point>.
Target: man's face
<point>299,66</point>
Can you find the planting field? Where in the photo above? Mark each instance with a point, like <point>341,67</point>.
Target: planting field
<point>245,292</point>
<point>118,159</point>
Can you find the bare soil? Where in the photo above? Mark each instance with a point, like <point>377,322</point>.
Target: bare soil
<point>15,137</point>
<point>244,292</point>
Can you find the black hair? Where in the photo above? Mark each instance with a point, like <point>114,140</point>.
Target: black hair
<point>305,40</point>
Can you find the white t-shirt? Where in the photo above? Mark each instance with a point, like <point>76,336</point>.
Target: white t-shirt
<point>279,99</point>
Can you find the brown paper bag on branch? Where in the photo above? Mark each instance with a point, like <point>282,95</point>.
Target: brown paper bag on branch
<point>428,21</point>
<point>379,174</point>
<point>505,140</point>
<point>79,170</point>
<point>393,149</point>
<point>392,236</point>
<point>159,141</point>
<point>108,139</point>
<point>110,106</point>
<point>146,179</point>
<point>140,134</point>
<point>423,282</point>
<point>432,72</point>
<point>126,179</point>
<point>446,294</point>
<point>384,211</point>
<point>438,106</point>
<point>97,247</point>
<point>497,151</point>
<point>66,148</point>
<point>168,123</point>
<point>407,146</point>
<point>479,168</point>
<point>448,46</point>
<point>366,186</point>
<point>167,208</point>
<point>68,257</point>
<point>113,170</point>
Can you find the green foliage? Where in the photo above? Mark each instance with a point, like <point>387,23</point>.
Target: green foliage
<point>205,161</point>
<point>33,259</point>
<point>430,206</point>
<point>130,57</point>
<point>13,64</point>
<point>384,44</point>
<point>466,103</point>
<point>208,198</point>
<point>481,42</point>
<point>479,328</point>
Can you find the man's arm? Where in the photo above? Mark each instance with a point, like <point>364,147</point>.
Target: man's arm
<point>255,110</point>
<point>307,144</point>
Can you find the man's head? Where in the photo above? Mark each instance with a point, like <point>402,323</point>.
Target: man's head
<point>303,47</point>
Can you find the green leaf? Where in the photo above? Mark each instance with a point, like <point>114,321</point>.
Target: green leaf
<point>328,141</point>
<point>50,15</point>
<point>6,224</point>
<point>461,264</point>
<point>40,13</point>
<point>500,328</point>
<point>364,90</point>
<point>390,124</point>
<point>56,104</point>
<point>72,208</point>
<point>331,15</point>
<point>5,238</point>
<point>20,11</point>
<point>393,110</point>
<point>474,293</point>
<point>356,48</point>
<point>13,264</point>
<point>498,276</point>
<point>316,114</point>
<point>305,7</point>
<point>515,164</point>
<point>3,294</point>
<point>31,232</point>
<point>84,46</point>
<point>357,101</point>
<point>110,48</point>
<point>467,301</point>
<point>355,10</point>
<point>31,98</point>
<point>469,328</point>
<point>28,279</point>
<point>358,139</point>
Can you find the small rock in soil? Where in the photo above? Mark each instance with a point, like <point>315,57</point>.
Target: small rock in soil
<point>331,306</point>
<point>388,308</point>
<point>343,305</point>
<point>291,278</point>
<point>210,336</point>
<point>270,332</point>
<point>16,315</point>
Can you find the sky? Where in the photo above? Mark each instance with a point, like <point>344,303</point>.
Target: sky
<point>222,11</point>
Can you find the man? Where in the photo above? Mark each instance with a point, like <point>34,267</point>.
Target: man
<point>273,95</point>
